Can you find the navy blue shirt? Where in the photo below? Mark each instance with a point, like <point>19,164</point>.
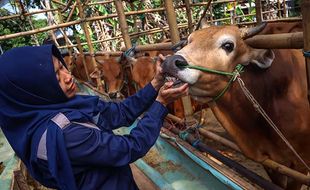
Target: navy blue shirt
<point>99,158</point>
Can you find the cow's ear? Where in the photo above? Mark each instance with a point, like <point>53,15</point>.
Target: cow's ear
<point>263,58</point>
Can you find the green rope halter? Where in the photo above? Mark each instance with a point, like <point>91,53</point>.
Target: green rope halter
<point>238,69</point>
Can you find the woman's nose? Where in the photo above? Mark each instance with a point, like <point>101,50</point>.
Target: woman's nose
<point>67,75</point>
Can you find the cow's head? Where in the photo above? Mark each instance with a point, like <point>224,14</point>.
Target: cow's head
<point>218,48</point>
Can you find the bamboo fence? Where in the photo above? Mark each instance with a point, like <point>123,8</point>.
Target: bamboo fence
<point>297,40</point>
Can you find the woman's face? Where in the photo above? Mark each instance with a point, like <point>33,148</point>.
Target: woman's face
<point>64,78</point>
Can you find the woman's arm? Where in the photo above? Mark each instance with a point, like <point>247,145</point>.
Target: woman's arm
<point>89,146</point>
<point>113,115</point>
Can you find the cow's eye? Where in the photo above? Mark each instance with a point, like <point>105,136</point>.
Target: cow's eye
<point>228,46</point>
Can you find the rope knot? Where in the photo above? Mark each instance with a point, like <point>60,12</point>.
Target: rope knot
<point>306,53</point>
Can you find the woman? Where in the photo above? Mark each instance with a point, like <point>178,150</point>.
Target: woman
<point>66,140</point>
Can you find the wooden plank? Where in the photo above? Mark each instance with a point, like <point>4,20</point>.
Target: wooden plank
<point>277,41</point>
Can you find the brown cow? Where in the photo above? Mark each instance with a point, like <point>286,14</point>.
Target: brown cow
<point>109,70</point>
<point>277,80</point>
<point>282,27</point>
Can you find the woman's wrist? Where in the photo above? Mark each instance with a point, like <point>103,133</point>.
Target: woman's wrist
<point>161,100</point>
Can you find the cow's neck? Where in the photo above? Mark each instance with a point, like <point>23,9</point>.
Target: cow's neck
<point>238,116</point>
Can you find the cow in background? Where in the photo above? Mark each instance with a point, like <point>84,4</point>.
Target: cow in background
<point>282,27</point>
<point>109,71</point>
<point>277,80</point>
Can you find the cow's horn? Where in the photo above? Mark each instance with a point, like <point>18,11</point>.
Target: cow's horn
<point>249,32</point>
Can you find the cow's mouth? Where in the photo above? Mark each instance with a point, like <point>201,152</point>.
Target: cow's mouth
<point>176,81</point>
<point>177,67</point>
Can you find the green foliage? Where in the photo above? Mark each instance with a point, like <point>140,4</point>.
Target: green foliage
<point>15,25</point>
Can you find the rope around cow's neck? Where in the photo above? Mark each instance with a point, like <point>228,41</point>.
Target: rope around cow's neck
<point>236,75</point>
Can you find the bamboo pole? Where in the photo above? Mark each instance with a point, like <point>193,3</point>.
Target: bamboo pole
<point>27,14</point>
<point>81,52</point>
<point>113,15</point>
<point>50,19</point>
<point>171,17</point>
<point>213,3</point>
<point>59,2</point>
<point>213,136</point>
<point>136,34</point>
<point>123,23</point>
<point>175,38</point>
<point>151,47</point>
<point>9,36</point>
<point>100,3</point>
<point>85,27</point>
<point>306,27</point>
<point>279,9</point>
<point>234,16</point>
<point>284,9</point>
<point>71,12</point>
<point>67,40</point>
<point>258,8</point>
<point>189,15</point>
<point>67,6</point>
<point>277,41</point>
<point>22,12</point>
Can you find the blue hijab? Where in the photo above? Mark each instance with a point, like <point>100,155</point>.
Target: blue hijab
<point>29,97</point>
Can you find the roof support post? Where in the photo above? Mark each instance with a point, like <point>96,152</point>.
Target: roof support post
<point>123,23</point>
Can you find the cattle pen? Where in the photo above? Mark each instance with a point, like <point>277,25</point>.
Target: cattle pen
<point>88,32</point>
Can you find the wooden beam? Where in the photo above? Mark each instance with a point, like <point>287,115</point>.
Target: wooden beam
<point>305,7</point>
<point>277,41</point>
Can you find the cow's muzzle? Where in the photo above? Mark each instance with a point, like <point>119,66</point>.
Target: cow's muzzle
<point>171,66</point>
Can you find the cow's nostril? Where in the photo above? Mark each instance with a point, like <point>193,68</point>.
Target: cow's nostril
<point>181,64</point>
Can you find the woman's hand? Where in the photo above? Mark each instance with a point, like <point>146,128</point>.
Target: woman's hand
<point>167,94</point>
<point>159,79</point>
